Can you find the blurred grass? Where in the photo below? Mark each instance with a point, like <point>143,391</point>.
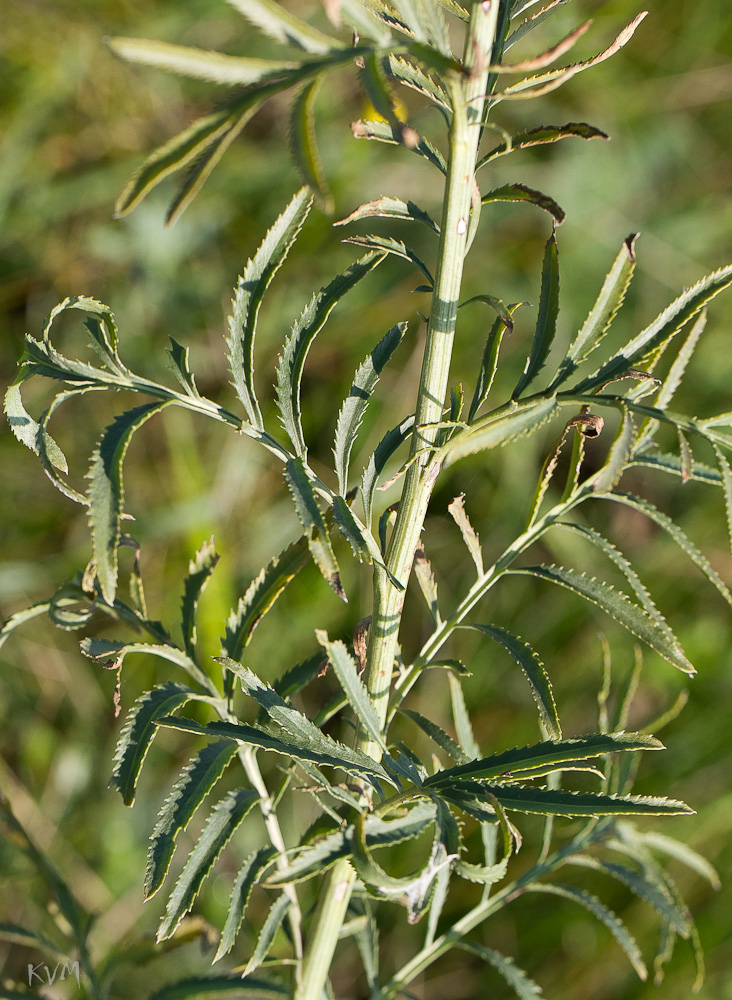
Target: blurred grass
<point>74,122</point>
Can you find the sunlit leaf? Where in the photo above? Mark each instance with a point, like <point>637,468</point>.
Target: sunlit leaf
<point>390,208</point>
<point>284,27</point>
<point>304,146</point>
<point>520,192</point>
<point>197,63</point>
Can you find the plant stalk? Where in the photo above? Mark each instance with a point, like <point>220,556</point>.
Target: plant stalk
<point>468,93</point>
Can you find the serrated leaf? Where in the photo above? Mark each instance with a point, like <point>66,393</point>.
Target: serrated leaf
<point>313,859</point>
<point>358,697</point>
<point>200,569</point>
<point>472,542</point>
<point>202,987</point>
<point>354,406</point>
<point>606,916</point>
<point>412,76</point>
<point>545,134</point>
<point>180,367</point>
<point>556,802</point>
<point>437,734</point>
<point>376,464</point>
<point>311,321</point>
<point>138,733</point>
<point>524,987</point>
<point>311,518</point>
<point>388,244</point>
<point>373,82</point>
<point>621,450</point>
<point>106,494</point>
<point>300,675</point>
<point>652,892</point>
<point>284,27</point>
<point>666,325</point>
<point>200,64</point>
<point>247,877</point>
<point>512,762</point>
<point>489,362</point>
<point>260,595</point>
<point>390,208</point>
<point>635,619</point>
<point>267,934</point>
<point>223,820</point>
<point>672,464</point>
<point>546,321</point>
<point>725,472</point>
<point>461,719</point>
<point>303,143</point>
<point>190,789</point>
<point>498,428</point>
<point>520,192</point>
<point>681,852</point>
<point>545,58</point>
<point>482,874</point>
<point>348,760</point>
<point>383,132</point>
<point>535,672</point>
<point>249,293</point>
<point>26,429</point>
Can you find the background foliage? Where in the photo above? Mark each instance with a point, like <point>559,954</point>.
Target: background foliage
<point>74,122</point>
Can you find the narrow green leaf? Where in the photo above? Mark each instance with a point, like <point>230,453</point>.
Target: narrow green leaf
<point>311,518</point>
<point>529,661</point>
<point>556,802</point>
<point>223,820</point>
<point>199,64</point>
<point>513,762</point>
<point>376,464</point>
<point>260,595</point>
<point>249,293</point>
<point>461,718</point>
<point>388,244</point>
<point>672,464</point>
<point>726,474</point>
<point>311,321</point>
<point>304,146</point>
<point>367,941</point>
<point>546,321</point>
<point>267,934</point>
<point>138,732</point>
<point>284,27</point>
<point>524,987</point>
<point>472,542</point>
<point>204,987</point>
<point>373,82</point>
<point>190,789</point>
<point>390,208</point>
<point>606,916</point>
<point>489,362</point>
<point>413,76</point>
<point>26,429</point>
<point>498,428</point>
<point>200,569</point>
<point>247,877</point>
<point>542,135</point>
<point>300,675</point>
<point>315,858</point>
<point>483,874</point>
<point>520,192</point>
<point>383,132</point>
<point>354,406</point>
<point>106,493</point>
<point>110,654</point>
<point>179,364</point>
<point>348,760</point>
<point>652,892</point>
<point>358,697</point>
<point>618,606</point>
<point>681,852</point>
<point>622,448</point>
<point>666,325</point>
<point>440,737</point>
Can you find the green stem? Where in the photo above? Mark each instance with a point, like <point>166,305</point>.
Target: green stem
<point>467,92</point>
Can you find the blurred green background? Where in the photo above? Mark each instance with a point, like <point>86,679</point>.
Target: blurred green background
<point>74,123</point>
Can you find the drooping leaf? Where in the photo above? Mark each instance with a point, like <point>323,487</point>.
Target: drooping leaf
<point>106,495</point>
<point>545,58</point>
<point>190,789</point>
<point>247,877</point>
<point>311,518</point>
<point>524,987</point>
<point>528,659</point>
<point>223,820</point>
<point>498,428</point>
<point>260,595</point>
<point>284,27</point>
<point>520,192</point>
<point>374,84</point>
<point>549,752</point>
<point>321,754</point>
<point>618,606</point>
<point>359,698</point>
<point>199,64</point>
<point>200,569</point>
<point>545,134</point>
<point>354,406</point>
<point>390,208</point>
<point>248,296</point>
<point>383,132</point>
<point>376,464</point>
<point>606,916</point>
<point>292,360</point>
<point>546,321</point>
<point>267,934</point>
<point>138,732</point>
<point>666,325</point>
<point>388,244</point>
<point>110,654</point>
<point>304,146</point>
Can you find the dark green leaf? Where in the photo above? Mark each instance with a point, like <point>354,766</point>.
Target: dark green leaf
<point>203,987</point>
<point>523,987</point>
<point>622,448</point>
<point>383,132</point>
<point>267,934</point>
<point>353,687</point>
<point>545,134</point>
<point>311,518</point>
<point>437,734</point>
<point>520,192</point>
<point>304,145</point>
<point>376,464</point>
<point>412,76</point>
<point>247,877</point>
<point>390,208</point>
<point>138,732</point>
<point>190,789</point>
<point>489,363</point>
<point>199,572</point>
<point>300,675</point>
<point>546,321</point>
<point>498,428</point>
<point>672,464</point>
<point>556,802</point>
<point>388,244</point>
